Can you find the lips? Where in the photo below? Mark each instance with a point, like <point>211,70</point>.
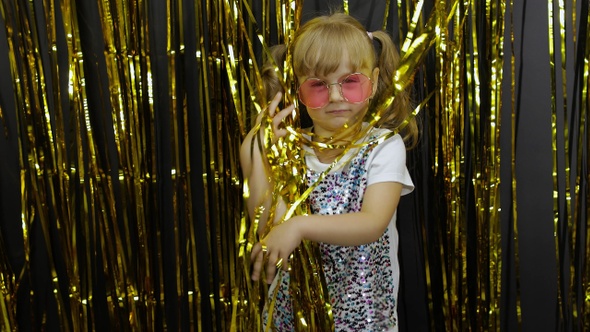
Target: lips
<point>341,111</point>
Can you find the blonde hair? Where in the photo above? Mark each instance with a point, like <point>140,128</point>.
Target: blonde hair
<point>318,45</point>
<point>317,48</point>
<point>270,79</point>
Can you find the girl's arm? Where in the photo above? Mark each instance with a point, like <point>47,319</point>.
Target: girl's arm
<point>254,168</point>
<point>254,171</point>
<point>354,229</point>
<point>351,229</point>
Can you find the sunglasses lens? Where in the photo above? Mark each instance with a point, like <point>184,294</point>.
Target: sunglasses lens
<point>356,88</point>
<point>313,93</point>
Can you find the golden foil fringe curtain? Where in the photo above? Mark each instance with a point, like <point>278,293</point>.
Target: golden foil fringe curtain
<point>571,206</point>
<point>128,171</point>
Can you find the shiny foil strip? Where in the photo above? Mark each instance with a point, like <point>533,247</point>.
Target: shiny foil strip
<point>513,211</point>
<point>582,189</point>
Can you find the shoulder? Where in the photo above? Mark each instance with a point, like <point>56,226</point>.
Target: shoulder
<point>387,161</point>
<point>384,140</point>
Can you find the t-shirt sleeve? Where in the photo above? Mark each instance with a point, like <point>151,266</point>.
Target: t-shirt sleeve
<point>387,163</point>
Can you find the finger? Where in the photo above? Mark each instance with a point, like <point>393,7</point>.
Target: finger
<point>254,252</point>
<point>271,268</point>
<point>279,263</point>
<point>287,111</point>
<point>256,259</point>
<point>258,247</point>
<point>278,121</point>
<point>274,104</point>
<point>285,264</point>
<point>284,113</point>
<point>257,266</point>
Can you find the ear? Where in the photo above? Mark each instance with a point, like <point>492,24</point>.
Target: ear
<point>375,80</point>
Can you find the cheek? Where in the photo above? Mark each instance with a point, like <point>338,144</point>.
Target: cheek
<point>362,108</point>
<point>314,114</point>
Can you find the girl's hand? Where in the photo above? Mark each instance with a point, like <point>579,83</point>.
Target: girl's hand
<point>278,124</point>
<point>274,250</point>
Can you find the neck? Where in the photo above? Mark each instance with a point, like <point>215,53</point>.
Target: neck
<point>343,137</point>
<point>334,145</point>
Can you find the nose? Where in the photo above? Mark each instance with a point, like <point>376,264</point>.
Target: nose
<point>334,90</point>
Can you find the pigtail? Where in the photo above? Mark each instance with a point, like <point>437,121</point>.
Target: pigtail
<point>399,112</point>
<point>271,82</point>
<point>270,79</point>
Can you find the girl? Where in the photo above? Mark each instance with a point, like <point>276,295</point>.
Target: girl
<point>341,80</point>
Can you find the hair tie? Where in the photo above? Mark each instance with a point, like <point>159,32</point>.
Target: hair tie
<point>370,34</point>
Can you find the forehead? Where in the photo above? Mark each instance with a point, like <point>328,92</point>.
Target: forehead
<point>325,56</point>
<point>340,68</point>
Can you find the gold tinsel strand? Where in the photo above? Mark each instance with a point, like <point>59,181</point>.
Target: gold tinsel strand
<point>583,194</point>
<point>514,209</point>
<point>441,103</point>
<point>556,207</point>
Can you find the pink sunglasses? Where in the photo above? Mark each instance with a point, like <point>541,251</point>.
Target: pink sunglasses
<point>354,88</point>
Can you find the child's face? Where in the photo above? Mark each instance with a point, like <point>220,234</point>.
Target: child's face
<point>329,119</point>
